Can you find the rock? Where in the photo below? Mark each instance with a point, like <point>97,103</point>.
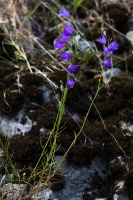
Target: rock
<point>40,193</point>
<point>13,191</point>
<point>129,36</point>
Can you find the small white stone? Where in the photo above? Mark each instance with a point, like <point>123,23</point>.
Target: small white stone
<point>129,36</point>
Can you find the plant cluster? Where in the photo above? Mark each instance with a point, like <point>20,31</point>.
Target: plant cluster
<point>62,42</point>
<point>107,50</point>
<point>67,56</point>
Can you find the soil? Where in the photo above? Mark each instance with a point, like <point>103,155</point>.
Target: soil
<point>102,134</point>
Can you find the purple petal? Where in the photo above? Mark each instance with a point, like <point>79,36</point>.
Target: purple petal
<point>106,63</point>
<point>66,56</point>
<point>58,44</point>
<point>72,68</point>
<point>70,83</point>
<point>113,46</point>
<point>68,29</point>
<point>102,40</point>
<point>65,36</point>
<point>106,51</point>
<point>64,12</point>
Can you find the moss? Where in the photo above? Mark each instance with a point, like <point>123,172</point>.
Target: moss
<point>126,115</point>
<point>122,86</point>
<point>77,100</point>
<point>82,154</point>
<point>103,185</point>
<point>29,79</point>
<point>109,107</point>
<point>65,139</point>
<point>117,171</point>
<point>114,98</point>
<point>119,16</point>
<point>34,94</point>
<point>11,101</point>
<point>128,183</point>
<point>66,136</point>
<point>26,149</point>
<point>70,124</point>
<point>118,12</point>
<point>102,144</point>
<point>44,116</point>
<point>58,76</point>
<point>57,182</point>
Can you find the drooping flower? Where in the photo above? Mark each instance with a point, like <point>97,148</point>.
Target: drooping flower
<point>65,36</point>
<point>66,56</point>
<point>106,63</point>
<point>59,45</point>
<point>70,83</point>
<point>68,29</point>
<point>102,40</point>
<point>110,49</point>
<point>64,12</point>
<point>106,51</point>
<point>72,68</point>
<point>113,46</point>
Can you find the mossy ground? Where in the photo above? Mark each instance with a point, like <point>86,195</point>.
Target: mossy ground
<point>113,104</point>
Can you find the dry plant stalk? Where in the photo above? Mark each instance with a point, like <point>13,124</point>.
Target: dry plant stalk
<point>17,28</point>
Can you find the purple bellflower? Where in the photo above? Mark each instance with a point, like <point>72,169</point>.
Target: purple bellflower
<point>66,56</point>
<point>59,45</point>
<point>106,63</point>
<point>70,83</point>
<point>64,12</point>
<point>68,29</point>
<point>102,40</point>
<point>72,68</point>
<point>110,49</point>
<point>113,46</point>
<point>106,51</point>
<point>65,36</point>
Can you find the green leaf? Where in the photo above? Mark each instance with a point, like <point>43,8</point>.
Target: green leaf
<point>77,3</point>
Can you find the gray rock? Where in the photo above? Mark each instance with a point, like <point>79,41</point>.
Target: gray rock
<point>12,191</point>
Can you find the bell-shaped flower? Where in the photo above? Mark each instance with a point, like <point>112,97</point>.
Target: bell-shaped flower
<point>70,83</point>
<point>106,51</point>
<point>66,56</point>
<point>68,29</point>
<point>72,68</point>
<point>102,40</point>
<point>113,46</point>
<point>59,44</point>
<point>64,12</point>
<point>106,63</point>
<point>65,36</point>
